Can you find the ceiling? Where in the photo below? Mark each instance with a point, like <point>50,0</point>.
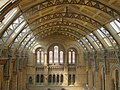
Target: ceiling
<point>80,16</point>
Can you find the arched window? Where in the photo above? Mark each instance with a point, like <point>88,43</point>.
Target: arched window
<point>50,57</point>
<point>37,78</point>
<point>40,56</point>
<point>72,56</point>
<point>61,57</point>
<point>56,54</point>
<point>69,60</point>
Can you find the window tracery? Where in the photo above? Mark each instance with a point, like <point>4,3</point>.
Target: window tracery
<point>56,55</point>
<point>40,56</point>
<point>72,56</point>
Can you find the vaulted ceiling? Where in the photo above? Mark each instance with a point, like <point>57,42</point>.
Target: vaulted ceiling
<point>81,16</point>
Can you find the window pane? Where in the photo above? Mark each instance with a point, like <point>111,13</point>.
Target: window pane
<point>69,79</point>
<point>69,57</point>
<point>116,26</point>
<point>61,57</point>
<point>37,78</point>
<point>50,78</point>
<point>53,78</point>
<point>73,78</point>
<point>42,57</point>
<point>61,78</point>
<point>9,15</point>
<point>42,79</point>
<point>57,78</point>
<point>50,57</point>
<point>38,57</point>
<point>73,57</point>
<point>107,41</point>
<point>56,54</point>
<point>101,33</point>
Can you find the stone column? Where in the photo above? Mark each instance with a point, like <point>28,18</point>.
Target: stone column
<point>1,76</point>
<point>59,79</point>
<point>45,59</point>
<point>107,81</point>
<point>46,68</point>
<point>90,79</point>
<point>7,72</point>
<point>14,82</point>
<point>14,76</point>
<point>107,72</point>
<point>46,75</point>
<point>65,76</point>
<point>97,84</point>
<point>119,67</point>
<point>55,79</point>
<point>19,78</point>
<point>24,81</point>
<point>96,72</point>
<point>90,73</point>
<point>6,83</point>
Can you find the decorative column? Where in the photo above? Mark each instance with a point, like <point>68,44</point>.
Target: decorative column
<point>55,79</point>
<point>46,70</point>
<point>107,77</point>
<point>90,73</point>
<point>19,78</point>
<point>21,62</point>
<point>7,71</point>
<point>24,81</point>
<point>14,75</point>
<point>59,79</point>
<point>14,81</point>
<point>79,73</point>
<point>65,82</point>
<point>118,54</point>
<point>24,60</point>
<point>45,59</point>
<point>1,76</point>
<point>96,73</point>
